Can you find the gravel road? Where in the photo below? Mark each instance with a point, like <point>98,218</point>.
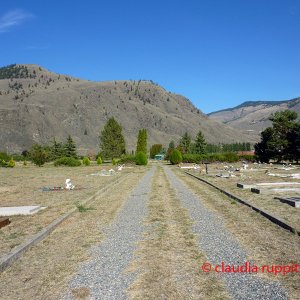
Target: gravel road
<point>220,246</point>
<point>104,274</point>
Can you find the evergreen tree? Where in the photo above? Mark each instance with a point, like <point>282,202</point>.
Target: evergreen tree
<point>294,143</point>
<point>155,149</point>
<point>185,143</point>
<point>275,142</point>
<point>112,141</point>
<point>70,148</point>
<point>170,150</point>
<point>199,146</point>
<point>141,145</point>
<point>56,149</point>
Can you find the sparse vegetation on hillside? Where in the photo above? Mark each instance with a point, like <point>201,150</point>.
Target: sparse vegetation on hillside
<point>14,71</point>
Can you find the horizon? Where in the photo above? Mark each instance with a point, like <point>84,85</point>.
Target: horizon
<point>218,55</point>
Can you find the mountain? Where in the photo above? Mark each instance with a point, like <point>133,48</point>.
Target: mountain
<point>37,105</point>
<point>253,116</point>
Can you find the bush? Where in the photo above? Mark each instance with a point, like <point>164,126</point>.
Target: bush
<point>11,164</point>
<point>67,161</point>
<point>38,155</point>
<point>99,160</point>
<point>175,157</point>
<point>115,161</point>
<point>192,158</point>
<point>86,161</point>
<point>127,159</point>
<point>141,159</point>
<point>4,156</point>
<point>25,163</point>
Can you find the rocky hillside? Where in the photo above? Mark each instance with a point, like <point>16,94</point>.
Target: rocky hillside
<point>37,105</point>
<point>253,116</point>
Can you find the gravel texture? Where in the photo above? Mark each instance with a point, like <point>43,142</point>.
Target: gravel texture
<point>104,273</point>
<point>221,246</point>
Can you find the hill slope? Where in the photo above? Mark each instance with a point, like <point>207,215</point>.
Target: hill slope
<point>253,116</point>
<point>37,105</point>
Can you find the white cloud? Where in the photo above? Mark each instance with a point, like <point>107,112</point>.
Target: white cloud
<point>12,19</point>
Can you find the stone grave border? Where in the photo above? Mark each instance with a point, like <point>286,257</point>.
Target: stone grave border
<point>265,214</point>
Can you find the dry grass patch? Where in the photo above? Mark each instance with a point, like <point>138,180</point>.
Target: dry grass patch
<point>265,242</point>
<point>22,186</point>
<point>44,271</point>
<point>168,257</point>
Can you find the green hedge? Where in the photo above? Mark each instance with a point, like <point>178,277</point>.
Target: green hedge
<point>213,157</point>
<point>67,161</point>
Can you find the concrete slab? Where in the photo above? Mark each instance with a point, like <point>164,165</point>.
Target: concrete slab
<point>245,186</point>
<point>272,191</point>
<point>293,201</point>
<point>19,210</point>
<point>277,183</point>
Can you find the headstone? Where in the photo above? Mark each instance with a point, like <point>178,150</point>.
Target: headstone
<point>272,191</point>
<point>245,186</point>
<point>293,201</point>
<point>19,210</point>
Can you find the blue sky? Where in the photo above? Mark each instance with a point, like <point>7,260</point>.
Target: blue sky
<point>218,53</point>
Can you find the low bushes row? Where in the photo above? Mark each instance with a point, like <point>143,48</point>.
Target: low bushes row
<point>67,161</point>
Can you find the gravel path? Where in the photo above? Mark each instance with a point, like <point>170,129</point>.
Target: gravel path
<point>104,273</point>
<point>221,246</point>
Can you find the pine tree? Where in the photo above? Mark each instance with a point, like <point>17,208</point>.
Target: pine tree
<point>57,150</point>
<point>200,144</point>
<point>141,145</point>
<point>70,148</point>
<point>185,143</point>
<point>112,141</point>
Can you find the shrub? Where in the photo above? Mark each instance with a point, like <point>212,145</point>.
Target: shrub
<point>4,156</point>
<point>38,155</point>
<point>127,159</point>
<point>86,161</point>
<point>175,157</point>
<point>141,159</point>
<point>192,158</point>
<point>11,164</point>
<point>25,163</point>
<point>99,160</point>
<point>67,161</point>
<point>114,161</point>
